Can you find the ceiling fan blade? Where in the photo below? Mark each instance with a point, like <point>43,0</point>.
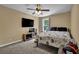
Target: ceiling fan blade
<point>31,9</point>
<point>45,10</point>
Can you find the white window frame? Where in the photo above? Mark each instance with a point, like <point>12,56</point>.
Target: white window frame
<point>46,18</point>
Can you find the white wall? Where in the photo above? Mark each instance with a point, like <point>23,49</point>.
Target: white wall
<point>75,22</point>
<point>10,25</point>
<point>60,20</point>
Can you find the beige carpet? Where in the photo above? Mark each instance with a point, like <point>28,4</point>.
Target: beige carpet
<point>27,47</point>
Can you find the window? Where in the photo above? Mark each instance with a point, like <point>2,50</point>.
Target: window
<point>45,23</point>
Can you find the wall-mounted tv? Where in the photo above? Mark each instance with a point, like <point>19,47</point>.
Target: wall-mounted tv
<point>27,22</point>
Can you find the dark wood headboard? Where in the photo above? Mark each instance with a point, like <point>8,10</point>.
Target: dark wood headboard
<point>58,29</point>
<point>53,29</point>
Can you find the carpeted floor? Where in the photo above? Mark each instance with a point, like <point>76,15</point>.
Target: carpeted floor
<point>28,47</point>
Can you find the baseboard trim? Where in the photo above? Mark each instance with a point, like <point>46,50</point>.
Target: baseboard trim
<point>10,43</point>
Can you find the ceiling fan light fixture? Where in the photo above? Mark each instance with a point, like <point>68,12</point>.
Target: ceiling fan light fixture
<point>38,12</point>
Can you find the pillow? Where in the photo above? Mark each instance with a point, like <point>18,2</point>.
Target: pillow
<point>62,29</point>
<point>53,29</point>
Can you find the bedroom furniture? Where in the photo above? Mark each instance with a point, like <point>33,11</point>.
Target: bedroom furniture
<point>56,37</point>
<point>53,29</point>
<point>27,36</point>
<point>24,37</point>
<point>31,33</point>
<point>58,29</point>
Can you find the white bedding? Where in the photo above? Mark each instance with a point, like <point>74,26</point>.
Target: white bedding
<point>55,34</point>
<point>59,37</point>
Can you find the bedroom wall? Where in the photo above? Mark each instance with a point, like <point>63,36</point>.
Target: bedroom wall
<point>75,22</point>
<point>60,20</point>
<point>10,25</point>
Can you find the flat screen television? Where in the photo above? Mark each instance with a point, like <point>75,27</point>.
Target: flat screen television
<point>27,22</point>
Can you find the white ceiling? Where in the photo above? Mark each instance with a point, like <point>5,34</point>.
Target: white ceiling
<point>54,8</point>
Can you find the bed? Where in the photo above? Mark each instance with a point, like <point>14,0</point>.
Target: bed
<point>56,37</point>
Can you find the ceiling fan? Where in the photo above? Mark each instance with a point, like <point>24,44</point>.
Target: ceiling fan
<point>38,9</point>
